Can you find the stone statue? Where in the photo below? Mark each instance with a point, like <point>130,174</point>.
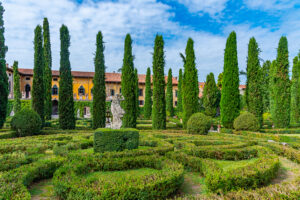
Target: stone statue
<point>117,112</point>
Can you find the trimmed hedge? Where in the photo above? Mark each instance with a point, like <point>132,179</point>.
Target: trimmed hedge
<point>247,122</point>
<point>115,139</point>
<point>198,123</point>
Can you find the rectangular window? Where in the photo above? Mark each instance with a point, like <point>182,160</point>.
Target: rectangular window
<point>141,102</point>
<point>112,92</point>
<point>54,79</point>
<point>175,103</point>
<point>120,90</point>
<point>140,92</point>
<point>176,93</point>
<point>27,78</point>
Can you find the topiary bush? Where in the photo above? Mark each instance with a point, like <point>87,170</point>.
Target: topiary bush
<point>246,121</point>
<point>198,124</point>
<point>26,122</point>
<point>106,139</point>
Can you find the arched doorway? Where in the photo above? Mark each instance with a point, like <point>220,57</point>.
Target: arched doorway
<point>27,91</point>
<point>54,107</point>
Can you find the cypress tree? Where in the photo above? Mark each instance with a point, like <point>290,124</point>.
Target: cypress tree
<point>3,76</point>
<point>99,94</point>
<point>271,88</point>
<point>66,102</point>
<point>230,96</point>
<point>190,83</point>
<point>159,101</point>
<point>295,91</point>
<point>148,96</point>
<point>17,92</point>
<point>254,99</point>
<point>219,82</point>
<point>265,85</point>
<point>137,92</point>
<point>38,95</point>
<point>169,97</point>
<point>47,69</point>
<point>179,92</point>
<point>211,96</point>
<point>282,86</point>
<point>128,84</point>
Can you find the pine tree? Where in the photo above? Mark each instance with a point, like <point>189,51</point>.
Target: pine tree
<point>230,96</point>
<point>254,98</point>
<point>137,92</point>
<point>128,83</point>
<point>265,85</point>
<point>38,95</point>
<point>295,91</point>
<point>3,76</point>
<point>47,69</point>
<point>282,86</point>
<point>159,101</point>
<point>190,83</point>
<point>169,96</point>
<point>211,96</point>
<point>148,96</point>
<point>17,92</point>
<point>66,102</point>
<point>99,94</point>
<point>179,92</point>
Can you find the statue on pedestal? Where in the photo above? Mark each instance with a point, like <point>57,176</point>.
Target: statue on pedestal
<point>117,112</point>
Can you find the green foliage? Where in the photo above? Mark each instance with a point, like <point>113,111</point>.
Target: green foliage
<point>148,96</point>
<point>115,140</point>
<point>66,102</point>
<point>159,101</point>
<point>211,96</point>
<point>38,90</point>
<point>190,84</point>
<point>198,124</point>
<point>99,94</point>
<point>137,93</point>
<point>169,95</point>
<point>17,92</point>
<point>128,84</point>
<point>282,90</point>
<point>246,121</point>
<point>179,92</point>
<point>272,88</point>
<point>26,122</point>
<point>295,91</point>
<point>254,93</point>
<point>3,76</point>
<point>230,95</point>
<point>265,84</point>
<point>220,79</point>
<point>47,70</point>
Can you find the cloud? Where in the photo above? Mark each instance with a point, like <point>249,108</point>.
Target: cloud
<point>270,4</point>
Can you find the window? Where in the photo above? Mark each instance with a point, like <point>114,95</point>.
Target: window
<point>9,86</point>
<point>9,74</point>
<point>81,90</point>
<point>140,92</point>
<point>54,79</point>
<point>92,91</point>
<point>55,90</point>
<point>141,102</point>
<point>175,103</point>
<point>120,90</point>
<point>27,78</point>
<point>176,93</point>
<point>27,91</point>
<point>112,92</point>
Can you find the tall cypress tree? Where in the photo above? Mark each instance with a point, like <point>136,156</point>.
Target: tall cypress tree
<point>66,102</point>
<point>148,96</point>
<point>159,101</point>
<point>295,91</point>
<point>128,84</point>
<point>190,83</point>
<point>38,95</point>
<point>3,76</point>
<point>17,92</point>
<point>265,85</point>
<point>99,94</point>
<point>230,96</point>
<point>137,92</point>
<point>47,69</point>
<point>254,98</point>
<point>169,97</point>
<point>282,87</point>
<point>272,86</point>
<point>211,96</point>
<point>179,92</point>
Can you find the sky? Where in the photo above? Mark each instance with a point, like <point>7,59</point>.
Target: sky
<point>207,22</point>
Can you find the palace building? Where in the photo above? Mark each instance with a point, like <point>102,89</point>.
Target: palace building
<point>83,85</point>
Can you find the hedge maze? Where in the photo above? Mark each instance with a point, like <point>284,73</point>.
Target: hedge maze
<point>241,165</point>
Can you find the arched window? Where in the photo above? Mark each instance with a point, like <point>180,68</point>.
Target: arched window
<point>81,90</point>
<point>55,90</point>
<point>27,90</point>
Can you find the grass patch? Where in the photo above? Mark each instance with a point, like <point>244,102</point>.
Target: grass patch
<point>231,165</point>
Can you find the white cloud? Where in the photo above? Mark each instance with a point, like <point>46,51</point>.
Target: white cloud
<point>270,4</point>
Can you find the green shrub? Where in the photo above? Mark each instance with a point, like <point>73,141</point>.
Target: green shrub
<point>26,122</point>
<point>246,121</point>
<point>115,139</point>
<point>198,124</point>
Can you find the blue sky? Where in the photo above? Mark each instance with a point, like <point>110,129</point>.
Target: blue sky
<point>208,22</point>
